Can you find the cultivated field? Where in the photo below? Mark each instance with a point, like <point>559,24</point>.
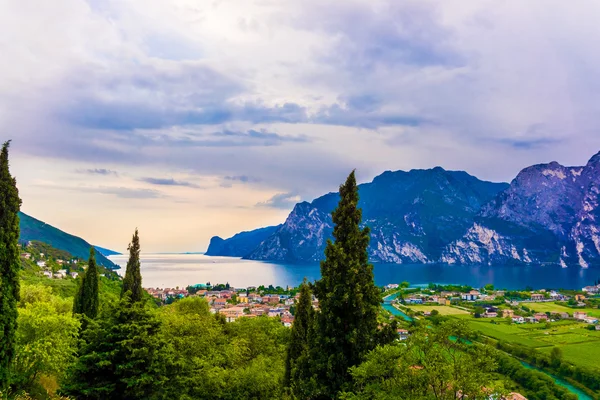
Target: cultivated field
<point>443,310</point>
<point>552,307</point>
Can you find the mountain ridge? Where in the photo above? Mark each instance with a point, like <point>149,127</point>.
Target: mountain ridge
<point>549,213</point>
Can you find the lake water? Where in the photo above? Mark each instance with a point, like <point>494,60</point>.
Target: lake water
<point>170,270</point>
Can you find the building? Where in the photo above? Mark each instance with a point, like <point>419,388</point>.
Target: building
<point>287,321</point>
<point>41,264</point>
<point>518,320</point>
<point>508,313</point>
<point>48,274</point>
<point>540,317</point>
<point>514,396</point>
<point>26,256</point>
<point>591,320</point>
<point>598,327</point>
<point>579,297</point>
<point>392,286</point>
<point>403,334</point>
<point>579,315</point>
<point>560,314</point>
<point>232,313</point>
<point>471,296</point>
<point>74,275</point>
<point>591,289</point>
<point>537,297</point>
<point>443,301</point>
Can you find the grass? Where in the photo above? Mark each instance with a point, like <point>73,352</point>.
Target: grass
<point>552,307</point>
<point>443,310</point>
<point>586,354</point>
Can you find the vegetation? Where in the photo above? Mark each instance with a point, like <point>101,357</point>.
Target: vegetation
<point>87,300</point>
<point>9,266</point>
<point>132,282</point>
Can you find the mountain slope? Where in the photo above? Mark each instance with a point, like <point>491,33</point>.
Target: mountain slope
<point>549,214</point>
<point>106,252</point>
<point>240,244</point>
<point>412,216</point>
<point>33,229</point>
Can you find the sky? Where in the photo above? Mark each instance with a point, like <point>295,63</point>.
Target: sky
<point>189,119</point>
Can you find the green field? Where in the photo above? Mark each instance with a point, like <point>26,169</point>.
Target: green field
<point>552,307</point>
<point>443,310</point>
<point>586,354</point>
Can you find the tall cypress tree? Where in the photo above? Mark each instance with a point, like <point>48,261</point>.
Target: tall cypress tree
<point>346,323</point>
<point>297,356</point>
<point>10,203</point>
<point>86,301</point>
<point>133,277</point>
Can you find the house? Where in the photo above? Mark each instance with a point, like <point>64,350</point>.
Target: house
<point>579,315</point>
<point>508,313</point>
<point>540,317</point>
<point>48,274</point>
<point>531,320</point>
<point>489,314</point>
<point>518,320</point>
<point>287,321</point>
<point>414,300</point>
<point>579,297</point>
<point>273,300</point>
<point>243,300</point>
<point>471,296</point>
<point>255,298</point>
<point>403,334</point>
<point>41,264</point>
<point>537,297</point>
<point>598,327</point>
<point>591,289</point>
<point>26,256</point>
<point>514,396</point>
<point>561,315</point>
<point>289,302</point>
<point>392,286</point>
<point>232,313</point>
<point>74,275</point>
<point>443,301</point>
<point>219,303</point>
<point>591,320</point>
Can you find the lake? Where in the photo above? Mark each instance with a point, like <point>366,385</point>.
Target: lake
<point>171,270</point>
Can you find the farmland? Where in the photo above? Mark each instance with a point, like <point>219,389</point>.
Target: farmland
<point>443,310</point>
<point>553,307</point>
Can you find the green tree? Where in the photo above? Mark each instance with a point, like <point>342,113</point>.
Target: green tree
<point>123,357</point>
<point>556,357</point>
<point>346,323</point>
<point>10,203</point>
<point>133,277</point>
<point>297,367</point>
<point>86,300</point>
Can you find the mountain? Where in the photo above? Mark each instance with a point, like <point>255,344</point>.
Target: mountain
<point>239,245</point>
<point>549,214</point>
<point>33,229</point>
<point>412,216</point>
<point>106,252</point>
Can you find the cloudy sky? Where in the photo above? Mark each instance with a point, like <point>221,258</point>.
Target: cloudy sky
<point>194,118</point>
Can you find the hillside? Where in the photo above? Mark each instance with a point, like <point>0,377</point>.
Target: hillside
<point>241,244</point>
<point>33,229</point>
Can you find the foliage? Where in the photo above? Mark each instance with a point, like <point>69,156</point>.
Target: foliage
<point>86,301</point>
<point>349,301</point>
<point>9,265</point>
<point>436,365</point>
<point>297,362</point>
<point>133,278</point>
<point>46,337</point>
<point>123,357</point>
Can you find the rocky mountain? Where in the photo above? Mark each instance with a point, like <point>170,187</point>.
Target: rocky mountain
<point>548,214</point>
<point>240,244</point>
<point>33,229</point>
<point>412,216</point>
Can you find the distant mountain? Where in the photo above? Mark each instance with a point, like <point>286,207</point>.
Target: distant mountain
<point>33,229</point>
<point>239,245</point>
<point>548,214</point>
<point>106,252</point>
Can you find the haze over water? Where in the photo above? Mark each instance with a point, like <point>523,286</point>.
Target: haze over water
<point>171,270</point>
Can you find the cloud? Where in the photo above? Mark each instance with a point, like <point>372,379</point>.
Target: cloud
<point>98,171</point>
<point>125,192</point>
<point>168,182</point>
<point>241,178</point>
<point>284,201</point>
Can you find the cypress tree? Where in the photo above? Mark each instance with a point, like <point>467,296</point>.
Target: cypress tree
<point>133,278</point>
<point>86,301</point>
<point>297,356</point>
<point>349,301</point>
<point>10,203</point>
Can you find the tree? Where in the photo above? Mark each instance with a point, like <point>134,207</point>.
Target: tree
<point>489,287</point>
<point>297,367</point>
<point>133,277</point>
<point>86,300</point>
<point>123,357</point>
<point>349,301</point>
<point>556,357</point>
<point>10,203</point>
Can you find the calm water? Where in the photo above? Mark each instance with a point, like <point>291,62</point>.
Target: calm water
<point>170,270</point>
